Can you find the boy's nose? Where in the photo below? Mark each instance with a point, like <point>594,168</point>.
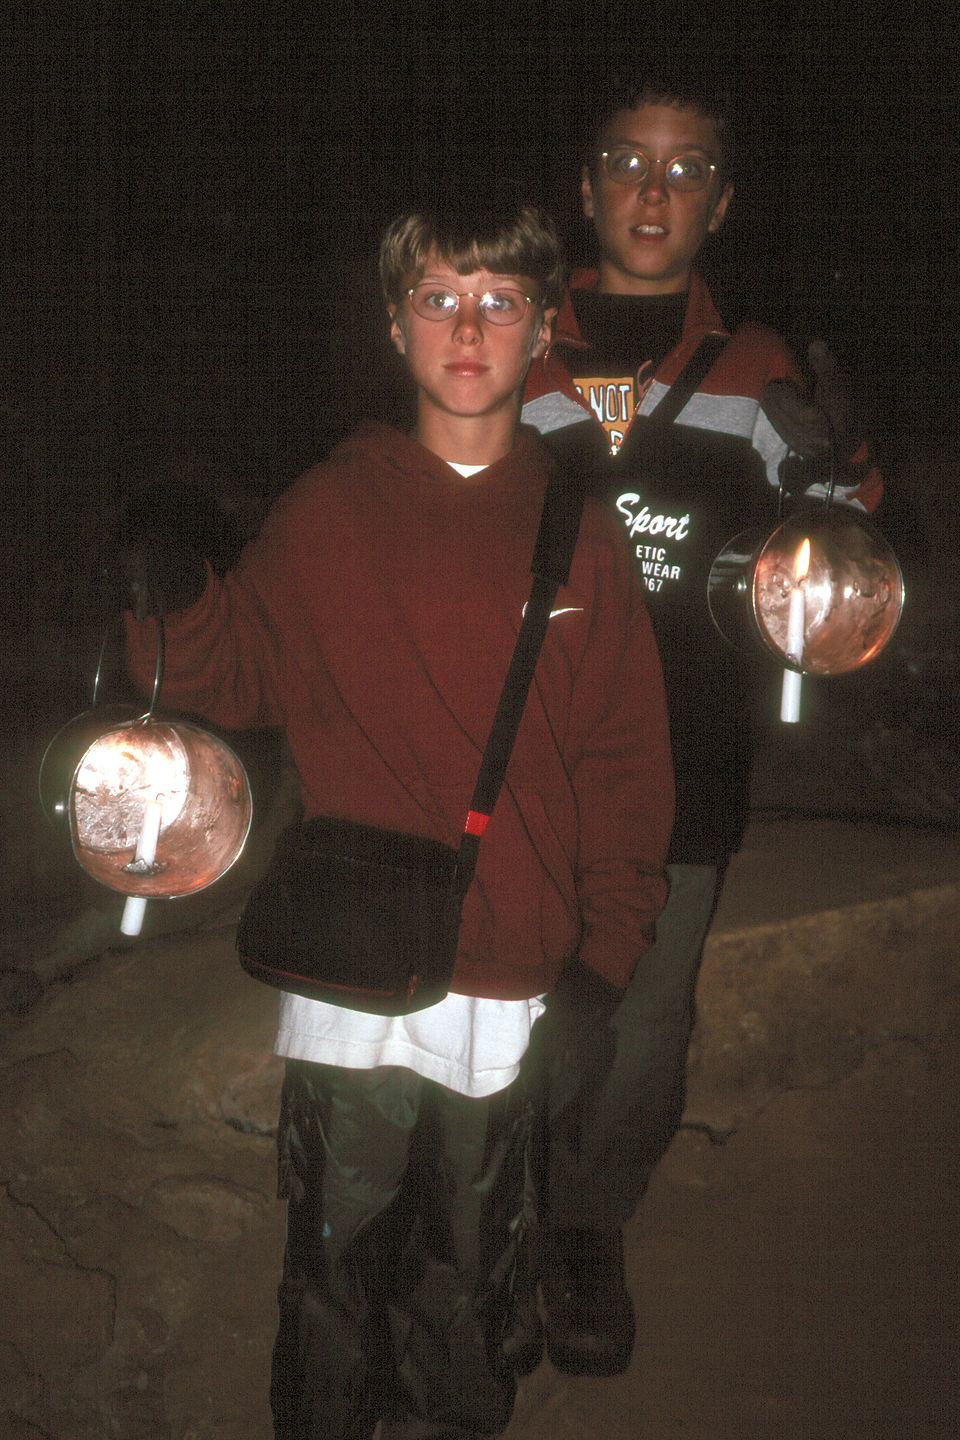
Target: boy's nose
<point>468,320</point>
<point>653,188</point>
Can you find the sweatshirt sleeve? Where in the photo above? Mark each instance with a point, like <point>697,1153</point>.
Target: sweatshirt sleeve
<point>623,778</point>
<point>229,657</point>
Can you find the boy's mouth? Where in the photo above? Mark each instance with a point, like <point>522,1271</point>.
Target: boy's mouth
<point>466,367</point>
<point>649,230</point>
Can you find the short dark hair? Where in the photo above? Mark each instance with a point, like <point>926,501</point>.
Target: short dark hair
<point>518,241</point>
<point>629,89</point>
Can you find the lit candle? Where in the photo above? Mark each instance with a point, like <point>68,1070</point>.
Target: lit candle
<point>143,859</point>
<point>796,625</point>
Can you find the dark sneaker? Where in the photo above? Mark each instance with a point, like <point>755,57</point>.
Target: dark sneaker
<point>589,1313</point>
<point>523,1335</point>
<point>523,1339</point>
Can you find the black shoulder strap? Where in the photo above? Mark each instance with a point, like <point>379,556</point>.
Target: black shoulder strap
<point>692,375</point>
<point>552,556</point>
<point>559,524</point>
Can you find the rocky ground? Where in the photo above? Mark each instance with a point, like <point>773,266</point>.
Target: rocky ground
<point>794,1265</point>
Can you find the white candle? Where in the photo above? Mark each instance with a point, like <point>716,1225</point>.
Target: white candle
<point>796,623</point>
<point>134,909</point>
<point>796,626</point>
<point>790,697</point>
<point>144,856</point>
<point>146,851</point>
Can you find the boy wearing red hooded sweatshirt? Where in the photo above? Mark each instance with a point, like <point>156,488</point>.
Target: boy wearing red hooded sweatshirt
<point>373,619</point>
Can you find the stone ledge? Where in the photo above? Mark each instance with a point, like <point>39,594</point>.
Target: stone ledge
<point>799,1003</point>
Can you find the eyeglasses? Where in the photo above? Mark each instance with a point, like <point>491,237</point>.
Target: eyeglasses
<point>684,172</point>
<point>502,306</point>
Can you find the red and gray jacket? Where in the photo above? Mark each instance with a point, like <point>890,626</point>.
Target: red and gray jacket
<point>727,401</point>
<point>684,490</point>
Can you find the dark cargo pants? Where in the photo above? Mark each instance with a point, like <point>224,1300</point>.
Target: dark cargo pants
<point>602,1142</point>
<point>404,1205</point>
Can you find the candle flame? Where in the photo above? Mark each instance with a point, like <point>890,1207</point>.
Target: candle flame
<point>158,772</point>
<point>803,561</point>
<point>113,765</point>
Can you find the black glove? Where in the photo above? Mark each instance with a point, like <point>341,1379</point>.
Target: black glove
<point>582,997</point>
<point>807,425</point>
<point>573,1043</point>
<point>156,575</point>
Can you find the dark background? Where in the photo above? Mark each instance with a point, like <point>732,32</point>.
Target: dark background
<point>193,194</point>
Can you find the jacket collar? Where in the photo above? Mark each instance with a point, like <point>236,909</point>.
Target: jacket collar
<point>701,316</point>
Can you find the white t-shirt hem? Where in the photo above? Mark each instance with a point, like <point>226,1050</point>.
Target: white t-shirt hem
<point>472,1046</point>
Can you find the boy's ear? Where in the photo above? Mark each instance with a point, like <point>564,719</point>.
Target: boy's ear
<point>720,209</point>
<point>396,330</point>
<point>543,334</point>
<point>586,192</point>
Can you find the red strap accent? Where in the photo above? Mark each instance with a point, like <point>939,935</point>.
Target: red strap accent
<point>476,823</point>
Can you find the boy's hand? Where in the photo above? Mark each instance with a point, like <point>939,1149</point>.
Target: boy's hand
<point>156,576</point>
<point>573,1046</point>
<point>806,424</point>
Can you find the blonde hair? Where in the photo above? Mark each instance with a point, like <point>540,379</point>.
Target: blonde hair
<point>523,241</point>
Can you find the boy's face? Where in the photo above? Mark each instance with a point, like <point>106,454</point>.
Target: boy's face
<point>466,366</point>
<point>650,233</point>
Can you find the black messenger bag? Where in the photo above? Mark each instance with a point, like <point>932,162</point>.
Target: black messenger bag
<point>369,918</point>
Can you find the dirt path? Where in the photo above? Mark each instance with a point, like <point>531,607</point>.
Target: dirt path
<point>798,1282</point>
